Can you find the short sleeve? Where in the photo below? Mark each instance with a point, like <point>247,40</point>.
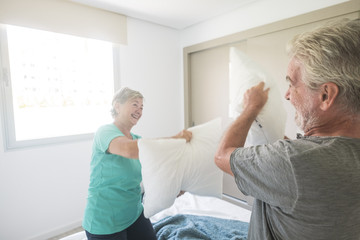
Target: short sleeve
<point>265,172</point>
<point>135,137</point>
<point>105,135</point>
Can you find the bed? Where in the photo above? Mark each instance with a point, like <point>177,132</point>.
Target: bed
<point>197,217</point>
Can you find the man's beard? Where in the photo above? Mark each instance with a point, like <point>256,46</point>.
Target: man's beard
<point>306,118</point>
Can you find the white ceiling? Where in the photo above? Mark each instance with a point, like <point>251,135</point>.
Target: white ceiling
<point>177,14</point>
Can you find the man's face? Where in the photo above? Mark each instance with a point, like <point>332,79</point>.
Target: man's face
<point>301,97</point>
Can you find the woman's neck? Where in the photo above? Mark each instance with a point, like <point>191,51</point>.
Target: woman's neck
<point>125,129</point>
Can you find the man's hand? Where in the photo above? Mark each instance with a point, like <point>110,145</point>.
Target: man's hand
<point>235,136</point>
<point>255,98</point>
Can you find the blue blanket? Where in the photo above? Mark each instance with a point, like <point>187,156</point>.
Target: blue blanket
<point>192,227</point>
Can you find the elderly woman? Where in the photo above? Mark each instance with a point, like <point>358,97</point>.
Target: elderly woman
<point>114,209</point>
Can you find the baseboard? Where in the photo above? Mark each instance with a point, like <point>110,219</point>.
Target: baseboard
<point>57,231</point>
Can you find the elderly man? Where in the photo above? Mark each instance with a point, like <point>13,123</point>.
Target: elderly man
<point>308,188</point>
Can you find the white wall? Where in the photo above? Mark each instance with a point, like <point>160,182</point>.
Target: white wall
<point>252,15</point>
<point>43,190</point>
<point>151,63</point>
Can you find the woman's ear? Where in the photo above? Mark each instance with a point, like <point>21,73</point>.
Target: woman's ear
<point>117,107</point>
<point>329,91</point>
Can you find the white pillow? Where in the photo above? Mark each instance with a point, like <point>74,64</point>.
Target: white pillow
<point>244,74</point>
<point>171,165</point>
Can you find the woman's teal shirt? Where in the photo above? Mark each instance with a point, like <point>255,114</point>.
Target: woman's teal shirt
<point>114,195</point>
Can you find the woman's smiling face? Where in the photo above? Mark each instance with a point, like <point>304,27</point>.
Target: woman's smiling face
<point>131,111</point>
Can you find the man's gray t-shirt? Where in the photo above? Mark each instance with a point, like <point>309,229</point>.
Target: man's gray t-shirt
<point>307,188</point>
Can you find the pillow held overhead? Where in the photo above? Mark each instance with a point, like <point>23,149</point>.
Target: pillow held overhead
<point>269,125</point>
<point>171,165</point>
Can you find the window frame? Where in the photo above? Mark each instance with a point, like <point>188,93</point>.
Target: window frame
<point>6,106</point>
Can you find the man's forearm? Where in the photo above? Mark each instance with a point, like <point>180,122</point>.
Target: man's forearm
<point>234,137</point>
<point>254,100</point>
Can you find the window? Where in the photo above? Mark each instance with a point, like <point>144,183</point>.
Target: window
<point>54,85</point>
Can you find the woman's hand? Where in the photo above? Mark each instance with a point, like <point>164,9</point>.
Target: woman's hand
<point>187,135</point>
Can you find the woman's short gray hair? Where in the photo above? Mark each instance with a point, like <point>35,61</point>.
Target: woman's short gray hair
<point>332,54</point>
<point>122,95</point>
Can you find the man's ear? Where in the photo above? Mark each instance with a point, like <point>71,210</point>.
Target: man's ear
<point>329,91</point>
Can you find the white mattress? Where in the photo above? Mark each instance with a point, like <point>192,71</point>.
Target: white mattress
<point>194,205</point>
<point>204,206</point>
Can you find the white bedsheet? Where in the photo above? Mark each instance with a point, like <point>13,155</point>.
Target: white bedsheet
<point>194,205</point>
<point>204,206</point>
